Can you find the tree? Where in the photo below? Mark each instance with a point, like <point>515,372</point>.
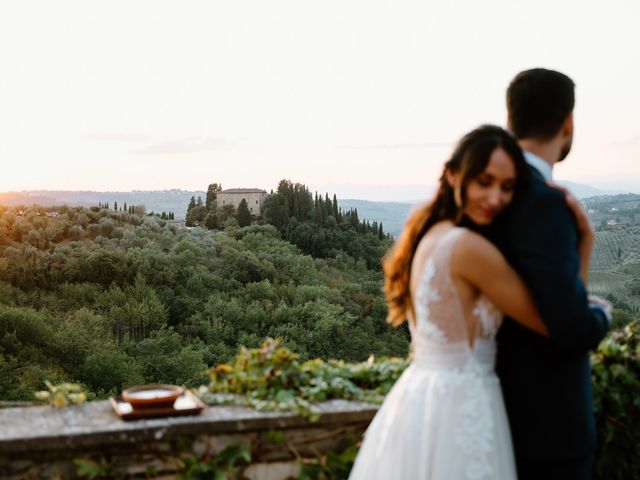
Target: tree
<point>190,207</point>
<point>225,212</point>
<point>285,210</point>
<point>196,215</point>
<point>274,211</point>
<point>211,221</point>
<point>244,215</point>
<point>212,195</point>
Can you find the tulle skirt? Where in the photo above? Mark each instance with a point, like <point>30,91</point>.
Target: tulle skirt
<point>439,424</point>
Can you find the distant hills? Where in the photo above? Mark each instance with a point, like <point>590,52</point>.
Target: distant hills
<point>581,190</point>
<point>391,214</point>
<point>174,200</point>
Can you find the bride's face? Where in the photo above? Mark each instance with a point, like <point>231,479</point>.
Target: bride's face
<point>492,190</point>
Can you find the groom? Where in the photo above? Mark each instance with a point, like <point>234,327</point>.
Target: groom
<point>546,381</point>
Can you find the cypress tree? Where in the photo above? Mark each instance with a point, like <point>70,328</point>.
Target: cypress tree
<point>322,210</point>
<point>296,208</point>
<point>244,215</point>
<point>212,195</point>
<point>285,211</point>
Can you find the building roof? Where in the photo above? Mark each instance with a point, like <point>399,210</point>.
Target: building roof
<point>243,190</point>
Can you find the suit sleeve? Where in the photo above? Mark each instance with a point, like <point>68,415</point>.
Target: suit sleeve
<point>545,254</point>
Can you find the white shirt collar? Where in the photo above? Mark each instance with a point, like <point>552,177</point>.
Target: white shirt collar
<point>539,164</point>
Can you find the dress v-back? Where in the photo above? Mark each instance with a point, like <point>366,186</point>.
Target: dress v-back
<point>444,419</point>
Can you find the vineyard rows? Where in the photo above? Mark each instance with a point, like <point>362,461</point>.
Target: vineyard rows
<point>602,283</point>
<point>616,247</point>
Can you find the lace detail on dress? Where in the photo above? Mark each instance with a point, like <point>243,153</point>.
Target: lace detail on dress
<point>474,435</point>
<point>425,295</point>
<point>488,316</point>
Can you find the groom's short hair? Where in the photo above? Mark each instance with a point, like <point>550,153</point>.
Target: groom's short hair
<point>538,102</point>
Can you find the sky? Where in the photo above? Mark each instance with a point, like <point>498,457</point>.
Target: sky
<point>361,98</point>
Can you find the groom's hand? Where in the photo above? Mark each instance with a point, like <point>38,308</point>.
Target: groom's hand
<point>607,308</point>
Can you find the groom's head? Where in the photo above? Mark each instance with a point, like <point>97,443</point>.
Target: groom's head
<point>540,107</point>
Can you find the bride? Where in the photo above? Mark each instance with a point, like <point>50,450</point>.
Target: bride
<point>445,417</point>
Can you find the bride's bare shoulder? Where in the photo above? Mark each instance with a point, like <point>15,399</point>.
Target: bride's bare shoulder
<point>471,250</point>
<point>430,240</point>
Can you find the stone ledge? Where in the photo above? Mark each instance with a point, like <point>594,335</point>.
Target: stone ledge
<point>38,442</point>
<point>95,423</point>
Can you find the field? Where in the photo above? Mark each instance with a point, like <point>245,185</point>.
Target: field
<point>615,248</point>
<point>615,265</point>
<point>603,283</point>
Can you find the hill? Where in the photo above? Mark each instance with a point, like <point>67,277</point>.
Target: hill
<point>582,191</point>
<point>391,214</point>
<point>111,299</point>
<point>174,200</point>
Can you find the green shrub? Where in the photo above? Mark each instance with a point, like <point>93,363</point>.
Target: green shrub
<point>616,383</point>
<point>272,378</point>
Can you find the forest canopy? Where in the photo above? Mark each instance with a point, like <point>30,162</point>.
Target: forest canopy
<point>113,298</point>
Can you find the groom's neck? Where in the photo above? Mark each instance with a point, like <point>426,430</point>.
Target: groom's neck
<point>549,151</point>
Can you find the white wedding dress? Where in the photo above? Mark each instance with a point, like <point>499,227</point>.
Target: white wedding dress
<point>444,419</point>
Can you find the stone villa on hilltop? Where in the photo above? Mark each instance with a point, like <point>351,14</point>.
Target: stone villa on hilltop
<point>233,196</point>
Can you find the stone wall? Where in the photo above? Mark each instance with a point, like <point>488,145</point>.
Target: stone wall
<point>42,442</point>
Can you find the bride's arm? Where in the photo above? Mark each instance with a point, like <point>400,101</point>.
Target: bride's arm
<point>479,262</point>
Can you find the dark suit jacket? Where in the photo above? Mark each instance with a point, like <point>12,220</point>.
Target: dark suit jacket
<point>546,381</point>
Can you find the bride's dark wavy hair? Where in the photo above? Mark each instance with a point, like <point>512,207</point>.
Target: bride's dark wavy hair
<point>470,158</point>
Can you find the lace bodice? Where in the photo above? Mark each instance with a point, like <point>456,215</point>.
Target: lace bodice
<point>441,332</point>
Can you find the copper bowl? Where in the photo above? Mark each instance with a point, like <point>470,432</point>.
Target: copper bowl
<point>152,396</point>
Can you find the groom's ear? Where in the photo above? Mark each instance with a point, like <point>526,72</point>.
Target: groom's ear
<point>567,125</point>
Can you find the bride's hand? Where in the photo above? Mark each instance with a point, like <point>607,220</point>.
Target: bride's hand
<point>585,230</point>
